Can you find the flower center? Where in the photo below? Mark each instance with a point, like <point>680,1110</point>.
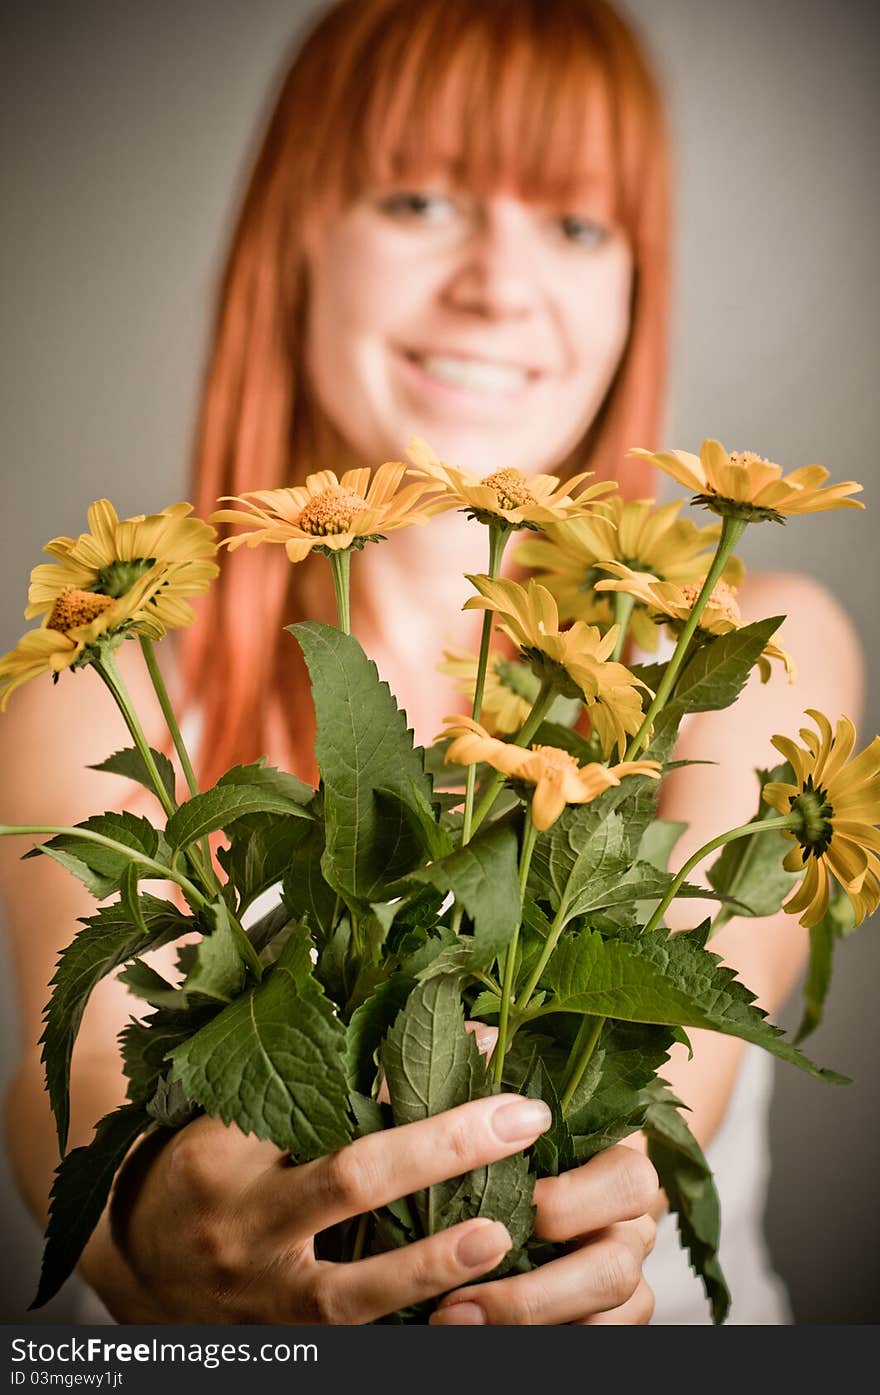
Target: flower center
<point>555,760</point>
<point>117,578</point>
<point>74,607</point>
<point>745,458</point>
<point>815,810</point>
<point>331,511</point>
<point>723,600</point>
<point>511,488</point>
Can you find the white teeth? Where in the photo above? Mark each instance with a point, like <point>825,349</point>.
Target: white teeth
<point>474,373</point>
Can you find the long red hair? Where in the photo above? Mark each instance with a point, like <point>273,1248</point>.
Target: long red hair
<point>501,92</point>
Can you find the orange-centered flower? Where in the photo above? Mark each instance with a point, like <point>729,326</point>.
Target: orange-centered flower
<point>556,775</point>
<point>744,485</point>
<point>116,553</point>
<point>669,603</point>
<point>838,800</point>
<point>329,513</point>
<point>506,496</point>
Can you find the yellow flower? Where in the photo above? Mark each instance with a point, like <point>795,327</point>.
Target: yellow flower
<point>508,694</point>
<point>556,775</point>
<point>839,803</point>
<point>647,539</point>
<point>746,486</point>
<point>577,660</point>
<point>117,552</point>
<point>329,513</point>
<point>507,496</point>
<point>78,620</point>
<point>664,600</point>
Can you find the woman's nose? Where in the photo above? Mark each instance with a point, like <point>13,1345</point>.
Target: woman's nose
<point>495,275</point>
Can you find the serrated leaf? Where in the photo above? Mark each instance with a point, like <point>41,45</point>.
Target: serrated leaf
<point>144,982</point>
<point>108,940</point>
<point>435,840</point>
<point>687,1180</point>
<point>627,1059</point>
<point>267,777</point>
<point>272,1062</point>
<point>219,970</point>
<point>100,868</point>
<point>221,806</point>
<point>261,847</point>
<point>145,1046</point>
<point>483,876</point>
<point>79,1194</point>
<point>363,745</point>
<point>717,674</point>
<point>673,980</point>
<point>580,861</point>
<point>130,764</point>
<point>305,892</point>
<point>431,1064</point>
<point>553,1151</point>
<point>502,1191</point>
<point>368,1026</point>
<point>169,1106</point>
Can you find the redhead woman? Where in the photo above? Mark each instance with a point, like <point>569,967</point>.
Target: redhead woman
<point>456,228</point>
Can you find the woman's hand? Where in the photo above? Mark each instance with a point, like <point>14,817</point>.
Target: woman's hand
<point>605,1207</point>
<point>219,1227</point>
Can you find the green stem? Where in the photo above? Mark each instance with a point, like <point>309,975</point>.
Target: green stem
<point>162,873</point>
<point>556,929</point>
<point>340,565</point>
<point>107,669</point>
<point>745,830</point>
<point>624,606</point>
<point>731,532</point>
<point>498,535</point>
<point>581,1055</point>
<point>539,711</point>
<point>530,833</point>
<point>158,683</point>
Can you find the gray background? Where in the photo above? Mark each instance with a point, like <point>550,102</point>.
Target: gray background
<point>127,129</point>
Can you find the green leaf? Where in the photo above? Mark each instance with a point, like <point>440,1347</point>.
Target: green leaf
<point>79,1194</point>
<point>676,981</point>
<point>221,806</point>
<point>687,1181</point>
<point>502,1191</point>
<point>305,892</point>
<point>553,1151</point>
<point>658,841</point>
<point>219,970</point>
<point>261,847</point>
<point>434,839</point>
<point>142,980</point>
<point>363,745</point>
<point>145,1046</point>
<point>483,876</point>
<point>431,1064</point>
<point>750,869</point>
<point>266,777</point>
<point>101,869</point>
<point>626,1060</point>
<point>368,1026</point>
<point>272,1062</point>
<point>130,764</point>
<point>717,674</point>
<point>580,861</point>
<point>169,1106</point>
<point>108,940</point>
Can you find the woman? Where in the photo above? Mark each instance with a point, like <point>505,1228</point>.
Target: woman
<point>455,228</point>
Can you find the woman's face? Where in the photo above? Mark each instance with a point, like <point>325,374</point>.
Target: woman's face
<point>490,326</point>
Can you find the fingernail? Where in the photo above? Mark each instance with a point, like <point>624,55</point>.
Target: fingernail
<point>459,1314</point>
<point>483,1244</point>
<point>520,1122</point>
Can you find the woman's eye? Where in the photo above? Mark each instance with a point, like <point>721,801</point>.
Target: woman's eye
<point>585,232</point>
<point>418,206</point>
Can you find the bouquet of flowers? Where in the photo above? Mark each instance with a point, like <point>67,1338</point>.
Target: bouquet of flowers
<point>514,874</point>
